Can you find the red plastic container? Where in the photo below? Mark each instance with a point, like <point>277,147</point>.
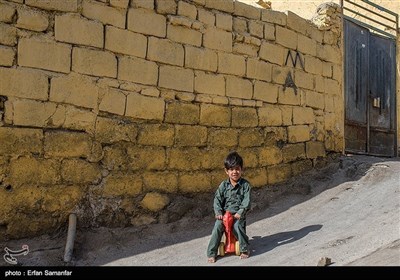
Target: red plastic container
<point>231,244</point>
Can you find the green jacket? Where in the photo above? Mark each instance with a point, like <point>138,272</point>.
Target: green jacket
<point>233,199</point>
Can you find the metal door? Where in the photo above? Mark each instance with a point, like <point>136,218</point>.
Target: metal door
<point>370,82</point>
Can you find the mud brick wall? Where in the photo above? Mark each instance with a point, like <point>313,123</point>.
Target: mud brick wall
<point>119,110</point>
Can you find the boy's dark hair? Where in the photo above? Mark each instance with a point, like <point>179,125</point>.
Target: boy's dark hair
<point>233,159</point>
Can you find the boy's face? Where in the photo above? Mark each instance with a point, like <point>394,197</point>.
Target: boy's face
<point>234,173</point>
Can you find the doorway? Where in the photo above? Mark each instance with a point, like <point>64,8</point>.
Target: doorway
<point>370,91</point>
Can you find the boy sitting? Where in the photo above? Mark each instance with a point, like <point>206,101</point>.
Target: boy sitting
<point>233,194</point>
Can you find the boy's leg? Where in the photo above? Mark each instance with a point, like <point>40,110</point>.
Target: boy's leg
<point>216,236</point>
<point>239,229</point>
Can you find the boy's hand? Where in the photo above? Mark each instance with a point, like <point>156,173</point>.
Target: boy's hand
<point>218,217</point>
<point>236,216</point>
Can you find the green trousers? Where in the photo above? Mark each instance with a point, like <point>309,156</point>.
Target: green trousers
<point>239,231</point>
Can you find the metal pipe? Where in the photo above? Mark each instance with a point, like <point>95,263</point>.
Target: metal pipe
<point>380,8</point>
<point>371,11</point>
<point>354,13</point>
<point>69,247</point>
<point>371,19</point>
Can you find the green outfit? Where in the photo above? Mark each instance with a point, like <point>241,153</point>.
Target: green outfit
<point>235,200</point>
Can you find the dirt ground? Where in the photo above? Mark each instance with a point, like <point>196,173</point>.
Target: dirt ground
<point>347,211</point>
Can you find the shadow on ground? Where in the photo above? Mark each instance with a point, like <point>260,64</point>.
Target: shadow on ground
<point>260,245</point>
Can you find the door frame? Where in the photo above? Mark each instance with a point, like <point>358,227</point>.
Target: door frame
<point>379,28</point>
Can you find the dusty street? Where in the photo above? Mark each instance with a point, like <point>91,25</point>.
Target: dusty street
<point>349,212</point>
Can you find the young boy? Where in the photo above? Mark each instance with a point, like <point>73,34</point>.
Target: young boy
<point>233,195</point>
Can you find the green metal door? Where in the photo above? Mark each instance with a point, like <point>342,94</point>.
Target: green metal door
<point>370,82</point>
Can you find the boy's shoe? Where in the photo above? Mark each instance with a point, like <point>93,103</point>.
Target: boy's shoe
<point>244,255</point>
